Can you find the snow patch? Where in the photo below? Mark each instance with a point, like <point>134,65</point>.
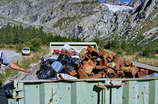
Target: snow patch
<point>116,8</point>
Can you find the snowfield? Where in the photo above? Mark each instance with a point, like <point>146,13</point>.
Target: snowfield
<point>116,8</point>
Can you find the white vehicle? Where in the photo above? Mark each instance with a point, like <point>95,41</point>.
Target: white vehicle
<point>26,51</point>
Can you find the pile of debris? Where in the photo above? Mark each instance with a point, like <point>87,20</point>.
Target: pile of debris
<point>88,63</point>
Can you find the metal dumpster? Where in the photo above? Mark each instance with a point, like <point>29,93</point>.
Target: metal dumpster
<point>86,91</point>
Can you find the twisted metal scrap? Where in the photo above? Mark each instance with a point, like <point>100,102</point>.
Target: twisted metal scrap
<point>105,64</point>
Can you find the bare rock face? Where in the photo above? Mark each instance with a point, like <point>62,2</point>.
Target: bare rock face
<point>86,19</point>
<point>145,18</point>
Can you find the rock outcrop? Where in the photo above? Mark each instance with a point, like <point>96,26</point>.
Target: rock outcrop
<point>86,19</point>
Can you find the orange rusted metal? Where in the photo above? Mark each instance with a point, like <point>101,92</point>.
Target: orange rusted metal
<point>102,63</point>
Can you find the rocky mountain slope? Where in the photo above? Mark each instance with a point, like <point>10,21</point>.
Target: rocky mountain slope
<point>86,19</point>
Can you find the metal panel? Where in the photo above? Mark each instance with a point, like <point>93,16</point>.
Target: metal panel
<point>20,89</point>
<point>125,94</point>
<point>32,94</point>
<point>156,91</point>
<point>76,45</point>
<point>85,93</point>
<point>11,101</point>
<point>116,93</point>
<point>136,92</point>
<point>57,93</point>
<point>63,93</point>
<point>73,44</point>
<point>152,92</point>
<point>145,66</point>
<point>132,91</point>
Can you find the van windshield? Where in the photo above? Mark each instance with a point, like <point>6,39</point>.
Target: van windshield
<point>26,49</point>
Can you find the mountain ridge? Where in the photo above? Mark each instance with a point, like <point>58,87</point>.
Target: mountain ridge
<point>81,18</point>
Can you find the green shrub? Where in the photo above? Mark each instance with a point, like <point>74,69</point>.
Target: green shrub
<point>28,37</point>
<point>128,44</point>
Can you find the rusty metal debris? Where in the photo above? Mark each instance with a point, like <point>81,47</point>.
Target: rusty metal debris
<point>105,64</point>
<point>94,63</point>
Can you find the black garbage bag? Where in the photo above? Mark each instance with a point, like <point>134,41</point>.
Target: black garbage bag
<point>46,74</point>
<point>69,60</point>
<point>75,61</point>
<point>70,63</point>
<point>8,89</point>
<point>3,98</point>
<point>66,62</point>
<point>64,59</point>
<point>69,69</point>
<point>46,64</point>
<point>45,71</point>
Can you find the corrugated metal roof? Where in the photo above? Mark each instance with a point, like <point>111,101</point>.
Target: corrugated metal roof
<point>145,66</point>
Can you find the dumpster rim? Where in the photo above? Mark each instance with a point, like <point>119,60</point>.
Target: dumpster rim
<point>90,80</point>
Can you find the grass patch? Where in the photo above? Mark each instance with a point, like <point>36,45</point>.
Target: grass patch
<point>146,60</point>
<point>149,61</point>
<point>34,57</point>
<point>7,74</point>
<point>28,37</point>
<point>128,45</point>
<point>120,44</point>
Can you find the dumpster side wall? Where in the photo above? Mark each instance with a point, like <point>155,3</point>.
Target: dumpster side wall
<point>131,92</point>
<point>136,92</point>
